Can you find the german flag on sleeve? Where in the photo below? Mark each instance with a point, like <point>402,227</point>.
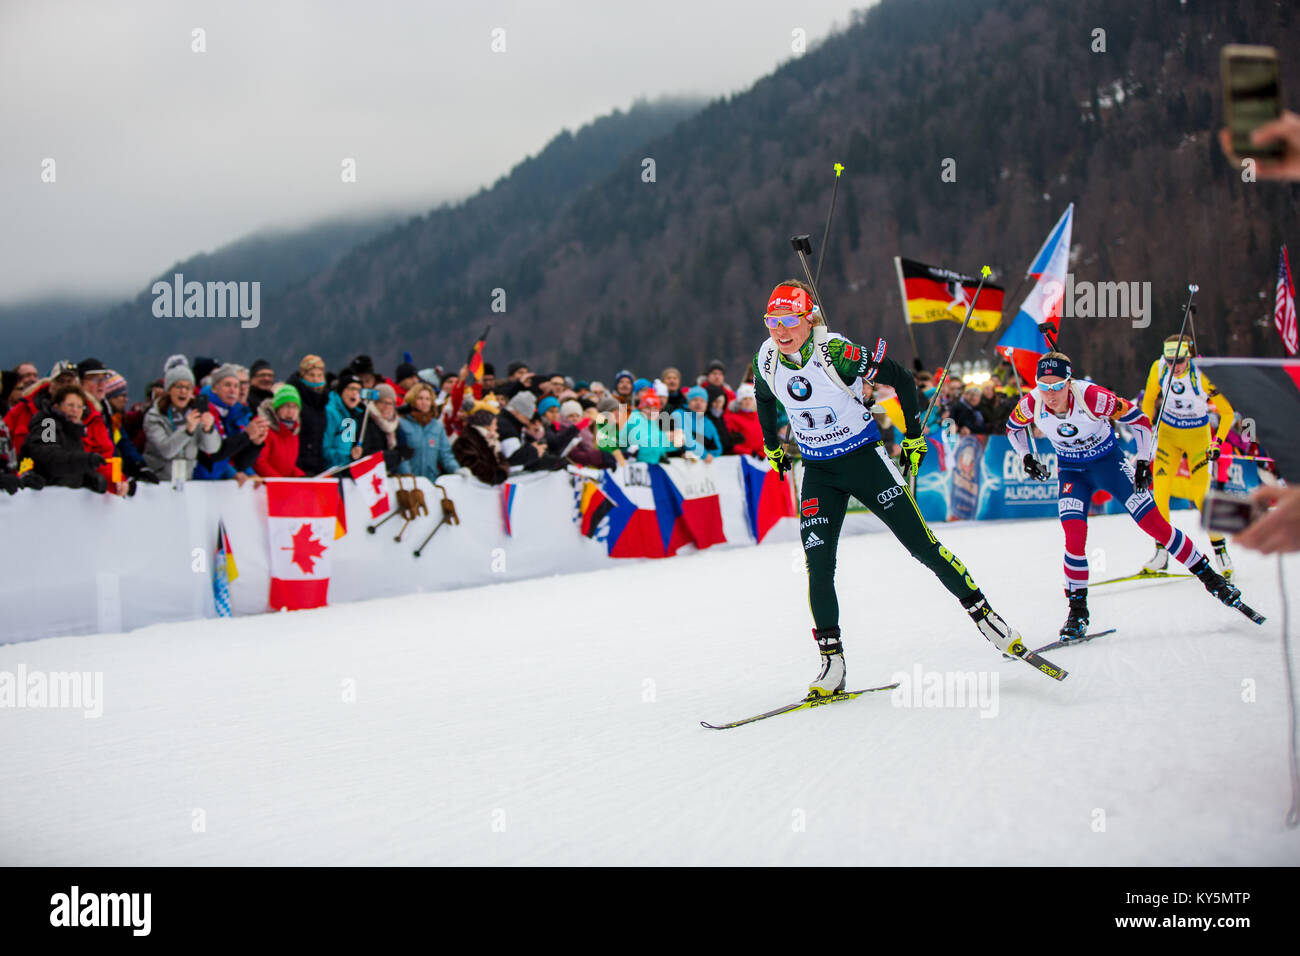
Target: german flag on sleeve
<point>593,506</point>
<point>933,294</point>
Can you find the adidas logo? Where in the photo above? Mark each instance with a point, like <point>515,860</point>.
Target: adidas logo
<point>812,541</point>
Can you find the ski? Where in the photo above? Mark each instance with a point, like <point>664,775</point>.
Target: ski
<point>1066,642</point>
<point>1142,576</point>
<point>1041,664</point>
<point>804,704</point>
<point>1249,611</point>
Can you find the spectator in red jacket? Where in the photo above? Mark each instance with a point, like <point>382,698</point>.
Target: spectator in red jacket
<point>96,438</point>
<point>742,420</point>
<point>36,401</point>
<point>279,456</point>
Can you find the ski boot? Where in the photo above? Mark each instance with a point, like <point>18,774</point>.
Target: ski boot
<point>1158,561</point>
<point>1076,625</point>
<point>1214,582</point>
<point>999,633</point>
<point>1221,558</point>
<point>831,680</point>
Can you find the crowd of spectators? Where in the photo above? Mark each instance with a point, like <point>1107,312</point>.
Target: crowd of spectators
<point>207,420</point>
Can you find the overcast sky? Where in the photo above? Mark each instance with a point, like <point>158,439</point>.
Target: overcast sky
<point>161,152</point>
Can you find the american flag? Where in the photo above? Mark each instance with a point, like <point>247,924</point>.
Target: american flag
<point>1284,316</point>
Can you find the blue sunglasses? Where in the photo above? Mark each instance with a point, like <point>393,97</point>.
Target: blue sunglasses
<point>789,321</point>
<point>1054,388</point>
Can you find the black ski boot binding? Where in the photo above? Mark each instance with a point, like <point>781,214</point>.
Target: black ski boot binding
<point>1076,625</point>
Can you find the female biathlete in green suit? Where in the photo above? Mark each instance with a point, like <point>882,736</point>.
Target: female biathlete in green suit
<point>818,377</point>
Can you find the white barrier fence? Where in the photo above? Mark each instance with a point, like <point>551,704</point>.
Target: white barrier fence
<point>74,562</point>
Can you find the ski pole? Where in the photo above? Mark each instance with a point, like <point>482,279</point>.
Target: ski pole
<point>1192,289</point>
<point>1030,429</point>
<point>985,272</point>
<point>803,249</point>
<point>821,256</point>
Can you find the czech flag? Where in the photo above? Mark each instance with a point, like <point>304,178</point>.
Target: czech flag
<point>767,497</point>
<point>686,491</point>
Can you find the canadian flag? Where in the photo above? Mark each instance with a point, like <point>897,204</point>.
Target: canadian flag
<point>372,480</point>
<point>301,517</point>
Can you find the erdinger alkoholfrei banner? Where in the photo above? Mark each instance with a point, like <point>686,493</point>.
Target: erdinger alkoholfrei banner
<point>984,478</point>
<point>1266,392</point>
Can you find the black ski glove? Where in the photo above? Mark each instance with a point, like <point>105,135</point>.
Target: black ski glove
<point>1034,469</point>
<point>1142,476</point>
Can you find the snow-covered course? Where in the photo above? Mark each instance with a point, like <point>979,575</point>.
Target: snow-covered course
<point>556,721</point>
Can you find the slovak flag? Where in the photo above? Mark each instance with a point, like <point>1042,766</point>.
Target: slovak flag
<point>1024,343</point>
<point>371,476</point>
<point>301,515</point>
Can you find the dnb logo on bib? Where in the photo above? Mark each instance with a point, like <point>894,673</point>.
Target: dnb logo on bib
<point>1067,430</point>
<point>799,388</point>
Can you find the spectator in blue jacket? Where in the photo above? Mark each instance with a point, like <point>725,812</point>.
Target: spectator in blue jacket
<point>237,453</point>
<point>343,416</point>
<point>424,432</point>
<point>700,437</point>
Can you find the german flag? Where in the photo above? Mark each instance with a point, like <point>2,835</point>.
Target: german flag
<point>932,294</point>
<point>475,361</point>
<point>593,506</point>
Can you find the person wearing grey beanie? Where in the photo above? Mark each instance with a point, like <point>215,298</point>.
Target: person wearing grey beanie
<point>520,449</point>
<point>177,373</point>
<point>229,370</point>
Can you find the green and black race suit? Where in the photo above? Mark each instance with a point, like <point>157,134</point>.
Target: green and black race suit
<point>864,471</point>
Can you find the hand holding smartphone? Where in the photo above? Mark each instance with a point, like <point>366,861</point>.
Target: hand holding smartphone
<point>1252,97</point>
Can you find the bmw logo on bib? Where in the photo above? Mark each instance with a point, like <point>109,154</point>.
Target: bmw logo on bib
<point>1178,388</point>
<point>799,388</point>
<point>1066,430</point>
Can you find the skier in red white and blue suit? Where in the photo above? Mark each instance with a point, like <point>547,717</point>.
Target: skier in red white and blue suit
<point>1076,418</point>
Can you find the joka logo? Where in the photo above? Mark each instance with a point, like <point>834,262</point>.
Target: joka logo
<point>812,541</point>
<point>809,507</point>
<point>799,388</point>
<point>1066,429</point>
<point>1178,388</point>
<point>889,494</point>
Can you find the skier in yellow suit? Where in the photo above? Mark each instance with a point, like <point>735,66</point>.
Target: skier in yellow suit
<point>1185,430</point>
